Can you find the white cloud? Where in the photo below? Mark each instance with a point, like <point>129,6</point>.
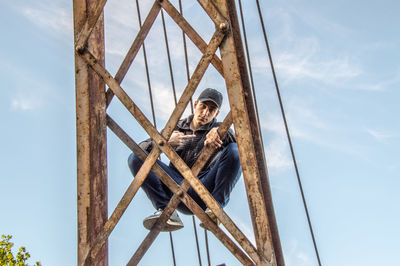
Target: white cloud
<point>382,85</point>
<point>25,102</point>
<point>53,17</point>
<point>302,58</point>
<point>296,256</point>
<point>303,120</point>
<point>300,64</point>
<point>28,93</point>
<point>299,56</point>
<point>303,124</point>
<point>379,135</point>
<point>163,100</point>
<point>276,147</point>
<point>277,153</point>
<point>123,14</point>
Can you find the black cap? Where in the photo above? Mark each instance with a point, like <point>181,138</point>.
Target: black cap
<point>211,95</point>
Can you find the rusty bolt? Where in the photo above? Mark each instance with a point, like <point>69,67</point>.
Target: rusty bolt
<point>223,26</point>
<point>80,49</point>
<point>161,142</point>
<point>180,193</point>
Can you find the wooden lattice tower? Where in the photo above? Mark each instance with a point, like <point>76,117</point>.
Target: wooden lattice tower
<point>94,226</point>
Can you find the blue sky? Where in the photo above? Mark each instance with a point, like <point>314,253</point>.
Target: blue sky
<point>338,69</point>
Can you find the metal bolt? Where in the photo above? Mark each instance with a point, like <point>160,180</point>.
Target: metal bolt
<point>223,26</point>
<point>80,49</point>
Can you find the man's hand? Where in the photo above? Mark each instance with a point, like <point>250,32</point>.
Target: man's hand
<point>178,138</point>
<point>213,139</point>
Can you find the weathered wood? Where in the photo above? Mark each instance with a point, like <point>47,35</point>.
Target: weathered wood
<point>212,12</point>
<point>246,129</point>
<point>177,190</point>
<point>146,124</point>
<point>135,47</point>
<point>161,141</point>
<point>175,200</point>
<point>256,134</point>
<point>91,134</point>
<point>92,101</point>
<point>208,199</point>
<point>190,32</point>
<point>91,17</point>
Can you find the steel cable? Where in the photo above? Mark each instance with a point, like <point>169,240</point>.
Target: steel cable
<point>249,65</point>
<point>287,132</point>
<point>147,68</point>
<point>197,239</point>
<point>192,110</point>
<point>172,248</point>
<point>152,102</point>
<point>208,251</point>
<point>169,56</point>
<point>186,55</point>
<point>174,92</point>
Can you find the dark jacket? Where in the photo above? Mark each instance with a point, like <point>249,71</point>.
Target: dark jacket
<point>192,148</point>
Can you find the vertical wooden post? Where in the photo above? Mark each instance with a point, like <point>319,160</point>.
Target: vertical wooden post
<point>249,139</point>
<point>91,137</point>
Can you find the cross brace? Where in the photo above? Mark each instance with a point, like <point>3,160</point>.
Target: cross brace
<point>89,46</point>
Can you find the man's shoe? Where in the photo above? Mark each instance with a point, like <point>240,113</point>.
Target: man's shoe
<point>212,217</point>
<point>173,223</point>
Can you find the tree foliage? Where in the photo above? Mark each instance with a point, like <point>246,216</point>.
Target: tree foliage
<point>7,257</point>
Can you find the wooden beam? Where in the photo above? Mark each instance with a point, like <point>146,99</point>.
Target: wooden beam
<point>135,47</point>
<point>180,195</point>
<point>161,141</point>
<point>146,124</point>
<point>248,135</point>
<point>95,10</point>
<point>256,135</point>
<point>212,12</point>
<point>190,32</point>
<point>208,199</point>
<point>183,196</point>
<point>91,133</point>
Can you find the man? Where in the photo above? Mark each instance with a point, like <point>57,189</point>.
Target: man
<point>191,135</point>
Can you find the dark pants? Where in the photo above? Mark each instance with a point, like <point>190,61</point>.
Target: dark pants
<point>219,180</point>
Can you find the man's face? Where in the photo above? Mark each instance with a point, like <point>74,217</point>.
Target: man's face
<point>204,112</point>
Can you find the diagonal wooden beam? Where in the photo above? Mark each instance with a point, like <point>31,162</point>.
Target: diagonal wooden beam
<point>207,198</point>
<point>212,12</point>
<point>248,138</point>
<point>161,141</point>
<point>184,197</point>
<point>146,124</point>
<point>121,207</point>
<point>246,148</point>
<point>190,32</point>
<point>175,200</point>
<point>135,47</point>
<point>83,35</point>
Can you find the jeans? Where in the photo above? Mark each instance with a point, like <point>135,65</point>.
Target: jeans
<point>219,180</point>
